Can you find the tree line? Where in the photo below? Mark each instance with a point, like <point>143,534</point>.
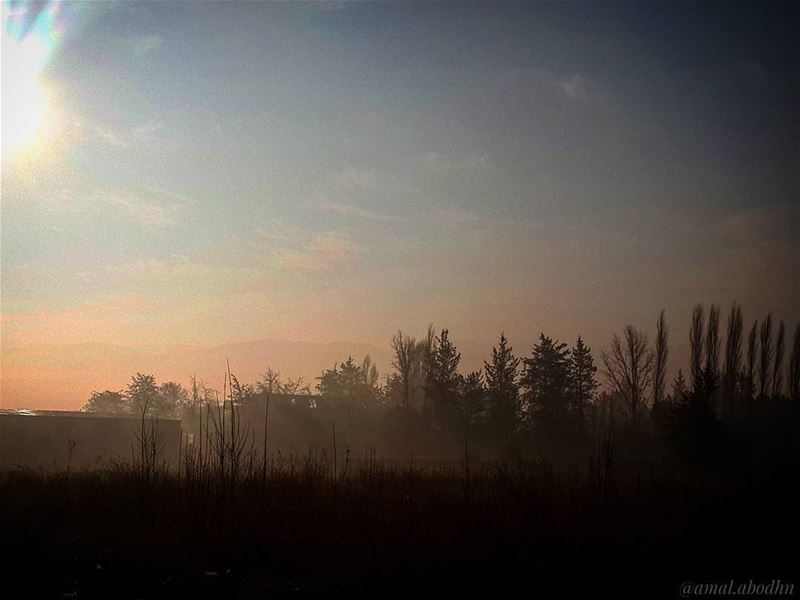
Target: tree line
<point>551,397</point>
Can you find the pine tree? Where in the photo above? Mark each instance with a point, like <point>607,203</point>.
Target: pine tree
<point>472,398</point>
<point>546,379</point>
<point>444,377</point>
<point>330,383</point>
<point>356,385</point>
<point>583,382</point>
<point>502,387</point>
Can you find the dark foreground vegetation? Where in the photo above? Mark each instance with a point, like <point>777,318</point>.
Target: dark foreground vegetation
<point>299,529</point>
<point>541,483</point>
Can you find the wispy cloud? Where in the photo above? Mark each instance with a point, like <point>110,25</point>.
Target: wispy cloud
<point>351,210</point>
<point>123,137</point>
<point>143,211</point>
<point>325,251</point>
<point>279,232</point>
<point>183,199</point>
<point>349,192</point>
<point>152,207</point>
<point>465,221</point>
<point>110,136</point>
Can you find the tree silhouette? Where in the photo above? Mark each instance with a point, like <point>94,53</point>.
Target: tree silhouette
<point>696,349</point>
<point>750,377</point>
<point>472,398</point>
<point>172,397</point>
<point>660,360</point>
<point>350,383</point>
<point>546,379</point>
<point>733,357</point>
<point>766,353</point>
<point>794,369</point>
<point>405,364</point>
<point>583,381</point>
<point>350,377</point>
<point>711,369</point>
<point>777,368</point>
<point>425,373</point>
<point>679,389</point>
<point>369,373</point>
<point>330,383</point>
<point>142,394</point>
<point>107,402</point>
<point>502,387</point>
<point>629,368</point>
<point>444,377</point>
<point>270,383</point>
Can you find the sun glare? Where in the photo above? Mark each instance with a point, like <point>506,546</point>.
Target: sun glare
<point>24,100</point>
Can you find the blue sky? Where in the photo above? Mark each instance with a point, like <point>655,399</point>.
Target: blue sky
<point>220,172</point>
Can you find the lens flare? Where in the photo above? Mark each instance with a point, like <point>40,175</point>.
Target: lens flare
<point>30,35</point>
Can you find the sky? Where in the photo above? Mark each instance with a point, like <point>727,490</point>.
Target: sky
<point>185,176</point>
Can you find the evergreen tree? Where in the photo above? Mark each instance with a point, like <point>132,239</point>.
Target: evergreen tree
<point>502,387</point>
<point>355,385</point>
<point>471,399</point>
<point>350,377</point>
<point>330,383</point>
<point>443,376</point>
<point>583,382</point>
<point>546,379</point>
